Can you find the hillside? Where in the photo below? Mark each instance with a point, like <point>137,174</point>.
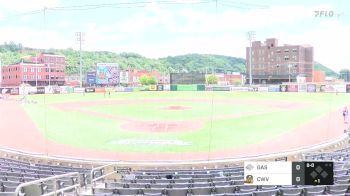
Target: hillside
<point>11,53</point>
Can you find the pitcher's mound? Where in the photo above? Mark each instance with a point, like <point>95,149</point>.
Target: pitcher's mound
<point>177,107</point>
<point>159,126</point>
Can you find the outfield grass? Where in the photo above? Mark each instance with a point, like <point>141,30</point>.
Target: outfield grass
<point>86,131</point>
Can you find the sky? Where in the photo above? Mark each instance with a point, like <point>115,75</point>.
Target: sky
<point>160,28</point>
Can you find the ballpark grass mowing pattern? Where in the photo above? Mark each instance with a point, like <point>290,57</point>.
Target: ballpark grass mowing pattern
<point>224,124</point>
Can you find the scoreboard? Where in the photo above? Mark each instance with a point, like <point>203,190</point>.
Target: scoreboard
<point>187,78</point>
<point>288,173</point>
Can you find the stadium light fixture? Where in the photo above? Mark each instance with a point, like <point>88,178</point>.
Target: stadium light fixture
<point>251,37</point>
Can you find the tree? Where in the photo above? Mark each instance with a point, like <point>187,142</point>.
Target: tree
<point>152,80</point>
<point>212,79</point>
<point>144,80</point>
<point>345,75</point>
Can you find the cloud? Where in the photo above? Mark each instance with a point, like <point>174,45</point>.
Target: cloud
<point>21,6</point>
<point>159,31</point>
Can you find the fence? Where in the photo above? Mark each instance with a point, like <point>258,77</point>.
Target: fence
<point>309,88</point>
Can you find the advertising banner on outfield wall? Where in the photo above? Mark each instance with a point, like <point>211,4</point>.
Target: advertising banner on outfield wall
<point>327,88</point>
<point>292,88</point>
<point>11,91</point>
<point>40,90</point>
<point>128,89</point>
<point>153,87</point>
<point>89,90</point>
<point>63,90</point>
<point>166,87</point>
<point>263,89</point>
<point>160,87</point>
<point>311,88</point>
<point>79,90</point>
<point>101,90</point>
<point>348,88</point>
<point>302,88</point>
<point>274,88</point>
<point>119,89</point>
<point>238,89</point>
<point>340,88</point>
<point>283,88</point>
<point>49,89</point>
<point>221,88</point>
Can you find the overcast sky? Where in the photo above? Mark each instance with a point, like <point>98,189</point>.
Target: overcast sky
<point>157,29</point>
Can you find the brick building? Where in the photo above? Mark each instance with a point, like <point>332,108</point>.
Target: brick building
<point>47,69</point>
<point>273,64</point>
<point>135,75</point>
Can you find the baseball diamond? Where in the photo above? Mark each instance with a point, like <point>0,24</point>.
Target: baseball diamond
<point>172,125</point>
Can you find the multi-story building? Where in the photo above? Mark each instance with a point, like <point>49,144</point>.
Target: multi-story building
<point>272,63</point>
<point>47,69</point>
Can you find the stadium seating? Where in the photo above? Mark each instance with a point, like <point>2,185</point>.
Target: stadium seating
<point>226,181</point>
<point>13,173</point>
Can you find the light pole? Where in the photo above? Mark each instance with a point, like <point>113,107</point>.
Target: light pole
<point>251,36</point>
<point>80,39</point>
<point>289,66</point>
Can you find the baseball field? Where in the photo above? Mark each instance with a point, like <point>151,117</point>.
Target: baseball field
<point>172,125</point>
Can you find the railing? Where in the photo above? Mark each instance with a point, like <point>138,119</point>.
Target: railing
<point>102,170</point>
<point>52,181</point>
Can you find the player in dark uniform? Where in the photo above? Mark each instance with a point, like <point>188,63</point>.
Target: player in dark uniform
<point>345,114</point>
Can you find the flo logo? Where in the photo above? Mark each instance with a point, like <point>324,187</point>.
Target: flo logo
<point>326,14</point>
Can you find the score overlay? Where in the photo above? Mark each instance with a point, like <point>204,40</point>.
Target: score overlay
<point>288,173</point>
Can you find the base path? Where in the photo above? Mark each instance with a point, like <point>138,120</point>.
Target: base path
<point>19,132</point>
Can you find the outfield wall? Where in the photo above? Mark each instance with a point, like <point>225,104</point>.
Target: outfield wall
<point>292,88</point>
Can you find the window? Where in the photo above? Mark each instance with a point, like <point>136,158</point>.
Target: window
<point>286,58</point>
<point>39,77</point>
<point>32,77</point>
<point>47,77</point>
<point>294,57</point>
<point>25,77</point>
<point>25,69</point>
<point>286,50</point>
<point>278,51</point>
<point>32,69</point>
<point>294,50</point>
<point>39,69</point>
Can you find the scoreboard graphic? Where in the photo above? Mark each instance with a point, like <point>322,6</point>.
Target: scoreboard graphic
<point>288,173</point>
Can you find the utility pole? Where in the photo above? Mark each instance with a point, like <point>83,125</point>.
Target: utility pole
<point>80,39</point>
<point>36,71</point>
<point>250,36</point>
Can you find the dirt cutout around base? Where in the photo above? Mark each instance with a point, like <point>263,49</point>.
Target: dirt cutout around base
<point>176,107</point>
